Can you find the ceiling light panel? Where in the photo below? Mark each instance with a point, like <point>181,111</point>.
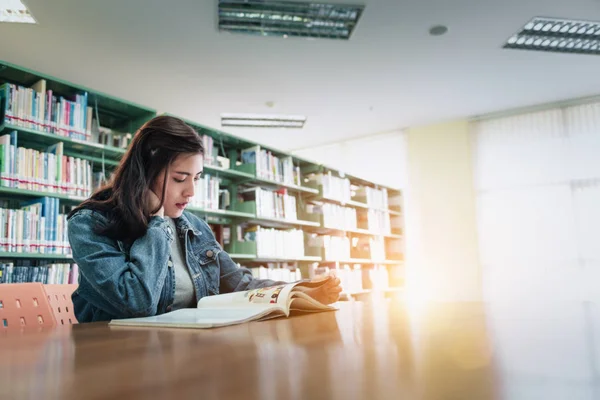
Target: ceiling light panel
<point>557,35</point>
<point>263,120</point>
<point>15,11</point>
<point>286,18</point>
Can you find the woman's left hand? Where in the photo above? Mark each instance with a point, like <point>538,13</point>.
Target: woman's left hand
<point>329,292</point>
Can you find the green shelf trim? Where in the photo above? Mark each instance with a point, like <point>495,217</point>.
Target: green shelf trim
<point>294,188</point>
<point>310,258</point>
<point>356,204</point>
<point>220,212</point>
<point>370,291</point>
<point>97,161</point>
<point>287,259</point>
<point>284,222</point>
<point>364,261</point>
<point>32,193</point>
<point>242,256</point>
<point>393,236</point>
<point>366,232</point>
<point>360,232</point>
<point>47,139</point>
<point>227,172</point>
<point>36,256</point>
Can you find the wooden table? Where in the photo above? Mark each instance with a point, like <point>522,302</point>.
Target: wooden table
<point>382,349</point>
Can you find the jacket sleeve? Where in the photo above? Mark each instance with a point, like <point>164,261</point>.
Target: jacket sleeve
<point>232,278</point>
<point>122,286</point>
<point>235,278</point>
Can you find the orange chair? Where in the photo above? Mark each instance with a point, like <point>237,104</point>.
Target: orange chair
<point>59,297</point>
<point>24,305</point>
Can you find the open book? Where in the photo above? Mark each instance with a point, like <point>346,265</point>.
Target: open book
<point>239,307</point>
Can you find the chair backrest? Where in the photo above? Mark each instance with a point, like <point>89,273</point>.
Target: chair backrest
<point>59,298</point>
<point>24,305</point>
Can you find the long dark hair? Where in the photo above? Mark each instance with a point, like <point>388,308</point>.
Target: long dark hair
<point>124,200</point>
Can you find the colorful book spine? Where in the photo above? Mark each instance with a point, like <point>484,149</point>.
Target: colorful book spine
<point>49,171</point>
<point>37,227</point>
<point>42,272</point>
<point>207,193</point>
<point>39,109</point>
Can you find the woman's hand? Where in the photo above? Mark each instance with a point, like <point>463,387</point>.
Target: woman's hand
<point>153,202</point>
<point>329,292</point>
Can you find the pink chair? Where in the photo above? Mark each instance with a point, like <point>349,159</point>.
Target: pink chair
<point>59,297</point>
<point>24,305</point>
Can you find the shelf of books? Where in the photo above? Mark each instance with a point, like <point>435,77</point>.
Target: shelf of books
<point>283,217</point>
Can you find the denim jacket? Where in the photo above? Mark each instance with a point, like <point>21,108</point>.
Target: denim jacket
<point>120,280</point>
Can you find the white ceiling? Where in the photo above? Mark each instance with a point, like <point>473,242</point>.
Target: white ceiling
<point>391,74</point>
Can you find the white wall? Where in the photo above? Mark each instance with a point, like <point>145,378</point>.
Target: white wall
<point>442,214</point>
<point>379,158</point>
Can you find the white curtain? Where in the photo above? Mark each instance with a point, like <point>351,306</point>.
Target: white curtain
<point>537,179</point>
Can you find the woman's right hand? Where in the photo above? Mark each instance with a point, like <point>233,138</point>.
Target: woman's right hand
<point>153,203</point>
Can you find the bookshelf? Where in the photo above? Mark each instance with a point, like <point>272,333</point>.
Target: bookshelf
<point>280,215</point>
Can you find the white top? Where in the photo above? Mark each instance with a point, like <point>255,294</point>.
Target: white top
<point>185,296</point>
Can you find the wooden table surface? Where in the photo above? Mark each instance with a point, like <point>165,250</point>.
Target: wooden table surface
<point>382,349</point>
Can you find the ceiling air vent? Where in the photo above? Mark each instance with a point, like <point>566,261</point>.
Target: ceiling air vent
<point>15,11</point>
<point>558,35</point>
<point>287,18</point>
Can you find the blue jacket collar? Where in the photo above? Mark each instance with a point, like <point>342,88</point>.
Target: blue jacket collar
<point>184,224</point>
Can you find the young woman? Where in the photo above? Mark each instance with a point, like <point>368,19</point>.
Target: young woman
<point>139,253</point>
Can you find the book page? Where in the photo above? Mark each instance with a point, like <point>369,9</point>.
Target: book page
<point>203,318</point>
<point>303,302</point>
<point>265,297</point>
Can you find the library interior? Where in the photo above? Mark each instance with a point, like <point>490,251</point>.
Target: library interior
<point>338,199</point>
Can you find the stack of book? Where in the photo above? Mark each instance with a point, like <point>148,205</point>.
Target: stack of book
<point>376,198</point>
<point>43,272</point>
<point>334,188</point>
<point>379,277</point>
<point>274,243</point>
<point>207,193</point>
<point>277,274</point>
<point>39,109</point>
<point>379,222</point>
<point>110,137</point>
<point>377,246</point>
<point>37,227</point>
<point>339,217</point>
<point>270,167</point>
<point>351,278</point>
<point>270,203</point>
<point>336,247</point>
<point>210,158</point>
<point>49,171</point>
